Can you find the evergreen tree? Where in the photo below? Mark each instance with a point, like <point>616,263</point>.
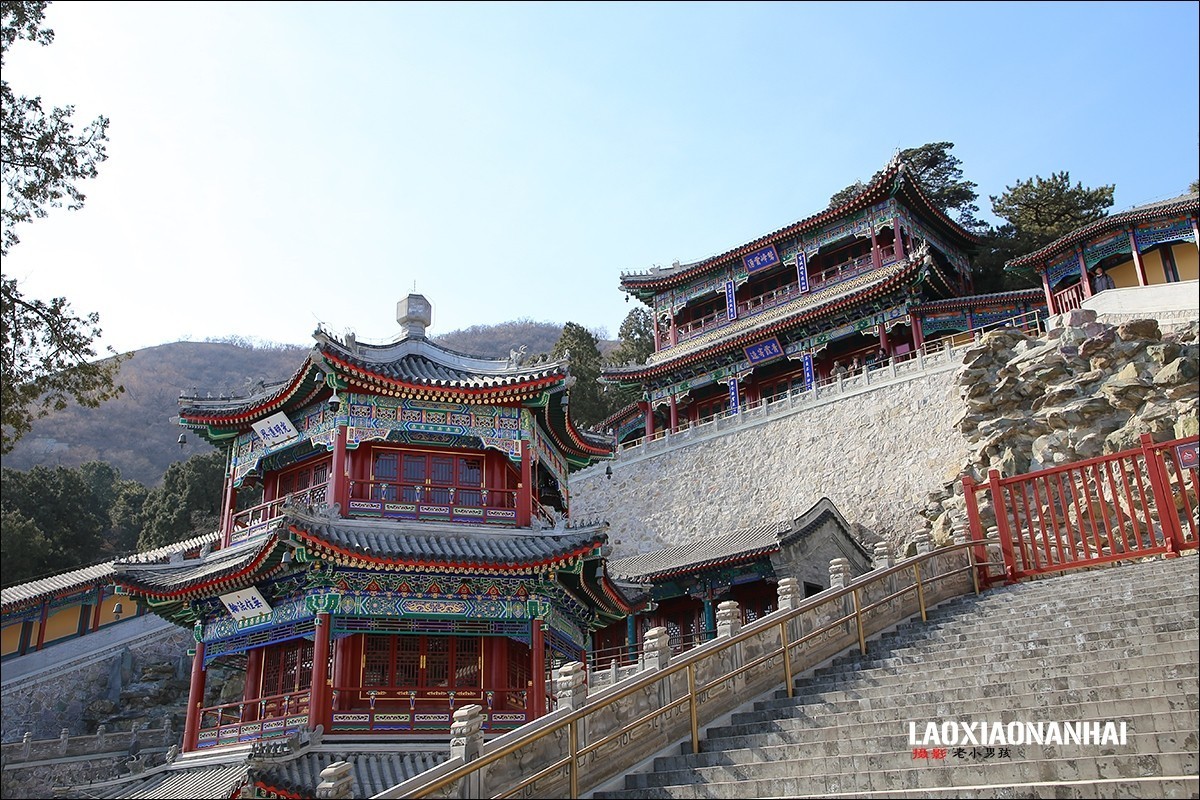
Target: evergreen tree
<point>940,176</point>
<point>61,505</point>
<point>637,338</point>
<point>46,352</point>
<point>1036,212</point>
<point>187,504</point>
<point>579,345</point>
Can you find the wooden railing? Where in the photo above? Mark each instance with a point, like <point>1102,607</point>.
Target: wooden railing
<point>1136,503</point>
<point>1068,299</point>
<point>577,751</point>
<point>408,709</point>
<point>250,720</point>
<point>401,500</point>
<point>257,520</point>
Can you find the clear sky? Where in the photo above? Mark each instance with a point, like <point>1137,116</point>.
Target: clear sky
<point>273,166</point>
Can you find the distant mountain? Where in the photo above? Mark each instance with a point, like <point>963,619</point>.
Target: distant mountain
<point>138,434</point>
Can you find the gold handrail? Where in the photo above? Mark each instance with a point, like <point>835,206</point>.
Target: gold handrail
<point>689,661</point>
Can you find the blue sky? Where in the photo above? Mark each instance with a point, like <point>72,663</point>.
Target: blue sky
<point>273,166</point>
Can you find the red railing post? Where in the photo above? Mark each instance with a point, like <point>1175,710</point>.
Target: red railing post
<point>975,526</point>
<point>1001,511</point>
<point>1164,500</point>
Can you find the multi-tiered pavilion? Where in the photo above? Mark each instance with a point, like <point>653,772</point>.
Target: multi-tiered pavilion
<point>413,551</point>
<point>859,283</point>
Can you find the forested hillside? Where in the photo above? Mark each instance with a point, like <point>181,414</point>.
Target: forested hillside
<point>137,432</point>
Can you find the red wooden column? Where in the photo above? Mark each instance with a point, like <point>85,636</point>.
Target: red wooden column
<point>339,481</point>
<point>876,256</point>
<point>525,488</point>
<point>649,411</point>
<point>674,415</point>
<point>1138,266</point>
<point>191,727</point>
<point>899,240</point>
<point>252,692</point>
<point>883,340</point>
<point>228,508</point>
<point>1083,276</point>
<point>538,655</point>
<point>1050,309</point>
<point>341,662</point>
<point>318,696</point>
<point>99,605</point>
<point>41,640</point>
<point>918,335</point>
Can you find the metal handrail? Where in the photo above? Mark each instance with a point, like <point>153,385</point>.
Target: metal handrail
<point>688,662</point>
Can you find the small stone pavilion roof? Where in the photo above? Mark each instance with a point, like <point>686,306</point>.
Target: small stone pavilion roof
<point>697,555</point>
<point>1183,204</point>
<point>724,549</point>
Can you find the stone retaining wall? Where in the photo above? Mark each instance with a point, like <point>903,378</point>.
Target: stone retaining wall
<point>876,452</point>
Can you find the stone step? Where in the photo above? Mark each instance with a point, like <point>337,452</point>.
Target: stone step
<point>1176,714</point>
<point>901,771</point>
<point>1029,674</point>
<point>1044,624</point>
<point>1149,732</point>
<point>1167,786</point>
<point>1076,691</point>
<point>1116,644</point>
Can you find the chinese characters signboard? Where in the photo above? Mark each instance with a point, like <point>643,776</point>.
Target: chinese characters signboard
<point>764,351</point>
<point>807,361</point>
<point>245,604</point>
<point>761,259</point>
<point>730,300</point>
<point>802,272</point>
<point>733,396</point>
<point>275,430</point>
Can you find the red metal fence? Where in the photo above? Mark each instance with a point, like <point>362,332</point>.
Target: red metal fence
<point>1132,504</point>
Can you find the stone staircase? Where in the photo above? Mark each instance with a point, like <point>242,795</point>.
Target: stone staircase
<point>1116,644</point>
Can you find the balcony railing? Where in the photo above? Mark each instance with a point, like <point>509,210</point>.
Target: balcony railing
<point>938,353</point>
<point>250,720</point>
<point>783,294</point>
<point>397,500</point>
<point>407,709</point>
<point>256,520</point>
<point>1068,299</point>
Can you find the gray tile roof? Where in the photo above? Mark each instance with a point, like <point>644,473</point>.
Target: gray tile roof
<point>218,781</point>
<point>95,574</point>
<point>1185,203</point>
<point>444,543</point>
<point>699,553</point>
<point>183,572</point>
<point>373,772</point>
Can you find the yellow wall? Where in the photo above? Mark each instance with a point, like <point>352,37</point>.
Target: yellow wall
<point>1186,262</point>
<point>1187,259</point>
<point>11,638</point>
<point>63,622</point>
<point>1124,274</point>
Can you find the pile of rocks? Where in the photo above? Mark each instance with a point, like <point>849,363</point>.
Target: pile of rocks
<point>1082,390</point>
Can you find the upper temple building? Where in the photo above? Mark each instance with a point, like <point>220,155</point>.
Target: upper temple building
<point>410,553</point>
<point>857,286</point>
